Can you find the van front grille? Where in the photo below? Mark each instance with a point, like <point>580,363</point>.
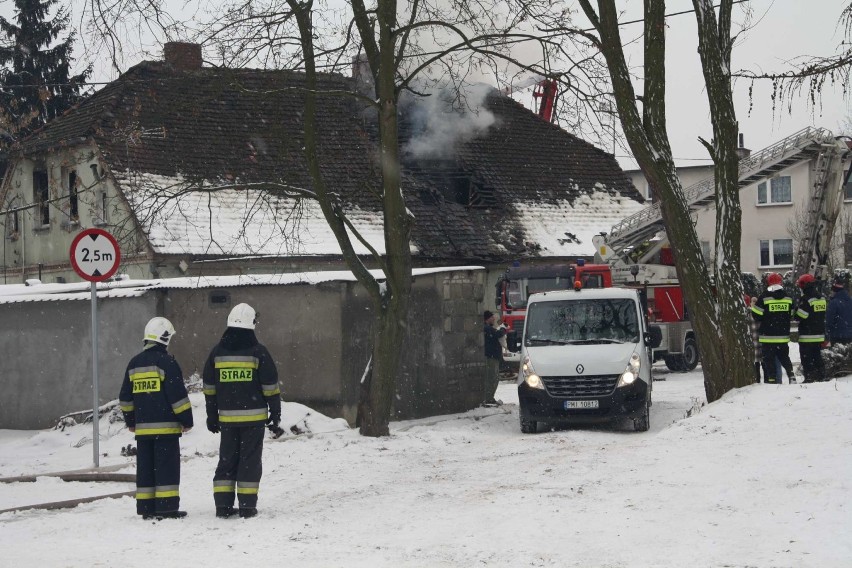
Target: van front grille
<point>580,385</point>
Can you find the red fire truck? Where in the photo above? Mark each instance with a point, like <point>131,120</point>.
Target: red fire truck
<point>519,281</point>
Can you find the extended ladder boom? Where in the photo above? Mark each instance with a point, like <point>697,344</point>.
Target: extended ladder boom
<point>824,205</point>
<point>807,143</point>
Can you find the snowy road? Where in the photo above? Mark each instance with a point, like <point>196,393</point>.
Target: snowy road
<point>733,485</point>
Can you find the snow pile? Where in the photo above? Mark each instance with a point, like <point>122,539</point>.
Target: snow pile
<point>758,478</point>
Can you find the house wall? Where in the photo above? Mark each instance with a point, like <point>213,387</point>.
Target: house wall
<point>688,176</point>
<point>763,222</point>
<point>46,349</point>
<point>47,245</point>
<point>319,336</point>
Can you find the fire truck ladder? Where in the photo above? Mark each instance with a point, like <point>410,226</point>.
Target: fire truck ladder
<point>802,145</point>
<point>824,205</point>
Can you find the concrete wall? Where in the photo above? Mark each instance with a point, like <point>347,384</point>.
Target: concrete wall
<point>319,336</point>
<point>46,349</point>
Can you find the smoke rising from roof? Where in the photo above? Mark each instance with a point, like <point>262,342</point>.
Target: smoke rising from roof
<point>445,118</point>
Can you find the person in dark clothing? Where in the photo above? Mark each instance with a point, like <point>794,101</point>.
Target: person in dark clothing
<point>755,337</point>
<point>156,408</point>
<point>242,395</point>
<point>838,316</point>
<point>772,311</point>
<point>493,358</point>
<point>811,317</point>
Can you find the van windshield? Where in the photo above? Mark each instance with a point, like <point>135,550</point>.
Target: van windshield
<point>582,321</point>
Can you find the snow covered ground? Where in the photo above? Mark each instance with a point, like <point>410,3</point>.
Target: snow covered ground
<point>760,478</point>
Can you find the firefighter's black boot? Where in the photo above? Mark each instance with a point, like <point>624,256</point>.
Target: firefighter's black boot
<point>225,512</point>
<point>170,515</point>
<point>247,512</point>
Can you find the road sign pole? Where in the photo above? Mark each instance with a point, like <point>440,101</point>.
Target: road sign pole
<point>95,256</point>
<point>95,404</point>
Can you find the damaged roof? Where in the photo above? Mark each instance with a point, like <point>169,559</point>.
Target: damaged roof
<point>517,187</point>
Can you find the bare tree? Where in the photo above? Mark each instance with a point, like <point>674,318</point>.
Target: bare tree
<point>808,75</point>
<point>410,48</point>
<point>718,313</point>
<point>396,57</point>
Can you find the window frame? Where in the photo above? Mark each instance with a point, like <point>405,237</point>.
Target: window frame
<point>41,197</point>
<point>13,219</point>
<point>102,220</point>
<point>771,251</point>
<point>70,179</point>
<point>767,187</point>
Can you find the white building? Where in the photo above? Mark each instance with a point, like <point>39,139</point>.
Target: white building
<point>773,205</point>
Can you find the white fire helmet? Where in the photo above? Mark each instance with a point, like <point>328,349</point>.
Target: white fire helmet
<point>242,315</point>
<point>160,330</point>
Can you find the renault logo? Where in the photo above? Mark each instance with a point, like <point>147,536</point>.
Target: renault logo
<point>580,369</point>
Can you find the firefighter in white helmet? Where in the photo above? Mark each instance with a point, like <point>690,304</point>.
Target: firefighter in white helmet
<point>156,408</point>
<point>242,394</point>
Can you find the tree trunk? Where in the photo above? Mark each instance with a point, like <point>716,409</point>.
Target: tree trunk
<point>391,321</point>
<point>648,139</point>
<point>390,300</point>
<point>736,353</point>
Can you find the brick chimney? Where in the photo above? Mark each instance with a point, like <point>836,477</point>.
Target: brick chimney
<point>182,56</point>
<point>742,151</point>
<point>361,74</point>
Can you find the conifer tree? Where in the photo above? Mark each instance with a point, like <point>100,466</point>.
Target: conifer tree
<point>35,64</point>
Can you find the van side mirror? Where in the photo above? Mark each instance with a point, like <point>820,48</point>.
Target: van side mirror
<point>654,336</point>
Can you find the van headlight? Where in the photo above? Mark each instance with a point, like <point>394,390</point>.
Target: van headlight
<point>631,373</point>
<point>527,371</point>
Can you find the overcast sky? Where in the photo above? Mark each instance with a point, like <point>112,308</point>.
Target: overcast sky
<point>782,30</point>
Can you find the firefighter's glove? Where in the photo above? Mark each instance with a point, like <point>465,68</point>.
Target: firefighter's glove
<point>274,420</point>
<point>213,425</point>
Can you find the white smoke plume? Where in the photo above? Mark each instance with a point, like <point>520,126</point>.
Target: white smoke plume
<point>446,118</point>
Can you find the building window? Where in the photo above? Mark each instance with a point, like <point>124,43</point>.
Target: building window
<point>780,191</point>
<point>847,190</point>
<point>70,178</point>
<point>13,221</point>
<point>776,252</point>
<point>41,197</point>
<point>102,218</point>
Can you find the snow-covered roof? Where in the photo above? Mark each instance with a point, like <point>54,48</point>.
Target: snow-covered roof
<point>237,222</point>
<point>563,228</point>
<point>17,293</point>
<point>163,130</point>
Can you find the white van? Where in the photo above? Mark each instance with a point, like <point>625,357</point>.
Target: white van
<point>586,358</point>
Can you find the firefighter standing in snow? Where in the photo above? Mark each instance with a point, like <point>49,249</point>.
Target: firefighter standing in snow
<point>156,407</point>
<point>811,316</point>
<point>772,311</point>
<point>240,383</point>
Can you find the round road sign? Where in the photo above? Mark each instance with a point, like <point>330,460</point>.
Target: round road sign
<point>95,255</point>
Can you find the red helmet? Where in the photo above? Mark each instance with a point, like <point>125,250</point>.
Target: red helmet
<point>805,279</point>
<point>774,279</point>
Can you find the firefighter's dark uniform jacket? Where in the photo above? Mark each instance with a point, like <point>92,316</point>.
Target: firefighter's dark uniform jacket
<point>153,397</point>
<point>154,400</point>
<point>773,310</point>
<point>241,382</point>
<point>811,316</point>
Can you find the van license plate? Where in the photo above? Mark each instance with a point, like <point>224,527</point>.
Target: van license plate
<point>570,404</point>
